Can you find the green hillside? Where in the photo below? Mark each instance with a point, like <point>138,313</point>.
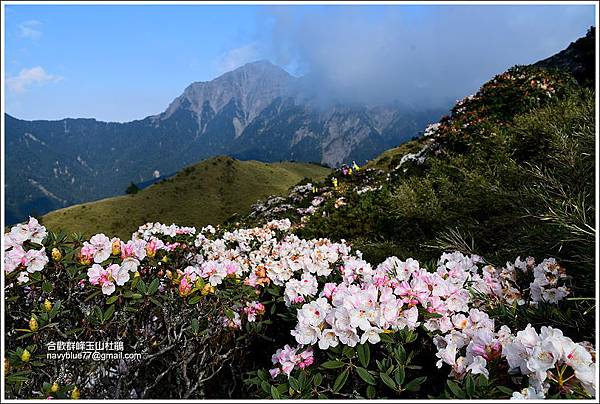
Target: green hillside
<point>205,193</point>
<point>509,172</point>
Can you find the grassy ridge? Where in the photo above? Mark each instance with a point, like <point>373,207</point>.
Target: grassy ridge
<point>205,193</point>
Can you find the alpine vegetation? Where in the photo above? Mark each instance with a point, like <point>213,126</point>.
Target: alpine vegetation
<point>458,265</point>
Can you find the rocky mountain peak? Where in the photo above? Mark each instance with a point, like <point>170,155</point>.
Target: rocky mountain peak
<point>252,87</point>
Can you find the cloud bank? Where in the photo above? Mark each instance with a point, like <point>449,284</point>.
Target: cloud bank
<point>417,54</point>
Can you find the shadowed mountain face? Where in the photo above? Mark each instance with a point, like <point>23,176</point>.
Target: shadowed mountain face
<point>257,111</point>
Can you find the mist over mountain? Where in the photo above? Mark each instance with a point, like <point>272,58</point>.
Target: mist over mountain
<point>257,111</point>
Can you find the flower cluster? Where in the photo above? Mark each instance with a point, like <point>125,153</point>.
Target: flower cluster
<point>288,358</point>
<point>254,309</point>
<point>340,299</point>
<point>19,254</point>
<point>550,357</point>
<point>108,277</point>
<point>546,286</point>
<point>474,334</point>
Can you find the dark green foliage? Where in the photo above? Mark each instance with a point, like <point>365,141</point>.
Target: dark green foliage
<point>132,189</point>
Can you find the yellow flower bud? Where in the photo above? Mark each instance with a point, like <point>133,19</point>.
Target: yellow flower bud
<point>165,259</point>
<point>208,289</point>
<point>33,324</point>
<point>116,247</point>
<point>47,305</point>
<point>6,365</point>
<point>137,274</point>
<point>75,394</point>
<point>56,254</point>
<point>169,274</point>
<point>54,387</point>
<point>25,356</point>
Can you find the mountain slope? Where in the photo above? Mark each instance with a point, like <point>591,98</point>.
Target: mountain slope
<point>254,112</point>
<point>510,171</point>
<point>578,59</point>
<point>205,193</point>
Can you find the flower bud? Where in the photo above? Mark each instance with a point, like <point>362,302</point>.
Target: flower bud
<point>184,287</point>
<point>33,324</point>
<point>25,356</point>
<point>47,305</point>
<point>56,254</point>
<point>75,394</point>
<point>6,365</point>
<point>54,387</point>
<point>116,247</point>
<point>208,289</point>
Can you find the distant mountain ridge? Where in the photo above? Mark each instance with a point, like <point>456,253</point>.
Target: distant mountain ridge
<point>257,111</point>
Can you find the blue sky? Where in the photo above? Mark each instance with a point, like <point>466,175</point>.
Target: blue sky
<point>119,63</point>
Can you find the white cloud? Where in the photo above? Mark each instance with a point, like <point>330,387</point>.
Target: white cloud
<point>237,57</point>
<point>30,29</point>
<point>28,77</point>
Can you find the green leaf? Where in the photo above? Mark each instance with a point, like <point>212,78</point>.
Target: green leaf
<point>153,286</point>
<point>108,313</point>
<point>266,387</point>
<point>260,373</point>
<point>365,375</point>
<point>505,390</point>
<point>482,381</point>
<point>275,393</point>
<point>386,338</point>
<point>410,337</point>
<point>317,379</point>
<point>294,383</point>
<point>196,325</point>
<point>371,392</point>
<point>348,352</point>
<point>47,287</point>
<point>283,388</point>
<point>128,294</point>
<point>364,354</point>
<point>156,301</point>
<point>55,309</point>
<point>387,380</point>
<point>90,297</point>
<point>340,381</point>
<point>455,389</point>
<point>97,313</point>
<point>399,375</point>
<point>332,364</point>
<point>141,286</point>
<point>469,385</point>
<point>415,384</point>
<point>112,299</point>
<point>400,353</point>
<point>194,299</point>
